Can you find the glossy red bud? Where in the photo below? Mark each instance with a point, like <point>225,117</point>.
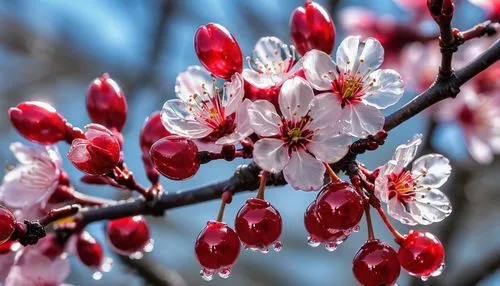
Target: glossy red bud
<point>128,235</point>
<point>98,153</point>
<point>312,28</point>
<point>106,103</point>
<point>38,122</point>
<point>175,157</point>
<point>89,250</point>
<point>152,131</point>
<point>7,224</point>
<point>218,51</point>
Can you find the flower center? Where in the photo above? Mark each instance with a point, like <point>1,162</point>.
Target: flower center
<point>295,134</point>
<point>402,184</point>
<point>349,88</point>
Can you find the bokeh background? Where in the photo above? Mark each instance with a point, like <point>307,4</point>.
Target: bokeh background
<point>50,50</point>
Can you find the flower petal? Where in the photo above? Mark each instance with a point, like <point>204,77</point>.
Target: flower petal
<point>325,111</point>
<point>400,212</point>
<point>432,170</point>
<point>385,88</point>
<point>271,56</point>
<point>270,154</point>
<point>433,206</point>
<point>304,172</point>
<point>347,53</point>
<point>479,150</point>
<point>319,69</point>
<point>194,80</point>
<point>178,119</point>
<point>262,81</point>
<point>243,128</point>
<point>362,119</point>
<point>356,56</point>
<point>372,56</point>
<point>381,184</point>
<point>329,146</point>
<point>405,153</point>
<point>264,119</point>
<point>294,98</point>
<point>232,94</point>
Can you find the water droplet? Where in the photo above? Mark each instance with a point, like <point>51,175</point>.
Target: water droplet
<point>312,242</point>
<point>64,255</point>
<point>136,255</point>
<point>424,278</point>
<point>97,275</point>
<point>206,274</point>
<point>331,246</point>
<point>107,262</point>
<point>149,246</point>
<point>277,246</point>
<point>262,250</point>
<point>438,271</point>
<point>356,228</point>
<point>224,273</point>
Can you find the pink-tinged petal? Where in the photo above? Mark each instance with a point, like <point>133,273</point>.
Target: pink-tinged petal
<point>262,81</point>
<point>398,211</point>
<point>385,88</point>
<point>194,80</point>
<point>319,69</point>
<point>24,154</point>
<point>243,128</point>
<point>6,262</point>
<point>232,94</point>
<point>433,206</point>
<point>347,53</point>
<point>372,56</point>
<point>32,212</point>
<point>381,184</point>
<point>326,111</point>
<point>304,172</point>
<point>479,150</point>
<point>208,146</point>
<point>264,119</point>
<point>329,146</point>
<point>364,119</point>
<point>432,170</point>
<point>405,153</point>
<point>270,154</point>
<point>294,99</point>
<point>178,119</point>
<point>271,56</point>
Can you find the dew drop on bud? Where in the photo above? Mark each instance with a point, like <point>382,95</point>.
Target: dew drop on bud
<point>313,242</point>
<point>206,274</point>
<point>150,246</point>
<point>224,273</point>
<point>331,246</point>
<point>97,275</point>
<point>277,246</point>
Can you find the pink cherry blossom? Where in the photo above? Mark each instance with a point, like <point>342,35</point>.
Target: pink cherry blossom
<point>299,141</point>
<point>412,196</point>
<point>33,268</point>
<point>478,115</point>
<point>8,252</point>
<point>200,112</point>
<point>359,89</point>
<point>36,177</point>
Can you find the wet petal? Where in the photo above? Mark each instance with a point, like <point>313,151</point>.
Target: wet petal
<point>319,69</point>
<point>433,206</point>
<point>264,119</point>
<point>329,146</point>
<point>294,98</point>
<point>271,56</point>
<point>371,57</point>
<point>381,184</point>
<point>347,53</point>
<point>232,94</point>
<point>270,154</point>
<point>178,119</point>
<point>262,81</point>
<point>194,80</point>
<point>364,120</point>
<point>432,170</point>
<point>243,128</point>
<point>400,212</point>
<point>326,110</point>
<point>405,153</point>
<point>304,172</point>
<point>385,88</point>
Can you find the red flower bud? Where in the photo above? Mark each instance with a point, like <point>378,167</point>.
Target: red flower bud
<point>218,51</point>
<point>312,28</point>
<point>98,153</point>
<point>89,250</point>
<point>128,235</point>
<point>38,122</point>
<point>152,131</point>
<point>175,157</point>
<point>106,103</point>
<point>7,224</point>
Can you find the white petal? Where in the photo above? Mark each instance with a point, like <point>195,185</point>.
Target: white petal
<point>263,81</point>
<point>479,150</point>
<point>364,119</point>
<point>304,172</point>
<point>319,69</point>
<point>264,119</point>
<point>371,57</point>
<point>243,128</point>
<point>381,184</point>
<point>433,206</point>
<point>270,154</point>
<point>347,53</point>
<point>208,146</point>
<point>385,88</point>
<point>398,211</point>
<point>194,80</point>
<point>232,94</point>
<point>271,56</point>
<point>405,153</point>
<point>328,146</point>
<point>294,98</point>
<point>178,119</point>
<point>431,170</point>
<point>326,110</point>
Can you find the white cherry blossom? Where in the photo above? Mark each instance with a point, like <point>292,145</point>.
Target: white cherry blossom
<point>301,139</point>
<point>413,196</point>
<point>355,83</point>
<point>200,112</point>
<point>34,179</point>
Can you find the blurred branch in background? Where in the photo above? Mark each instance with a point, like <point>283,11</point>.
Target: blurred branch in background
<point>153,272</point>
